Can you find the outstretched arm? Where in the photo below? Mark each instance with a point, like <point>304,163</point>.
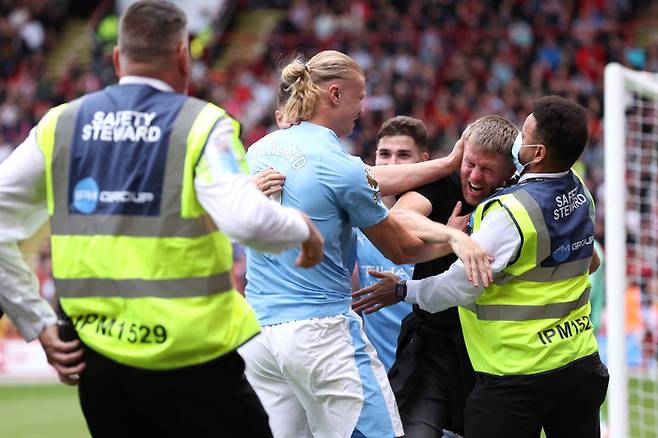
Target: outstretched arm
<point>476,261</point>
<point>498,235</point>
<point>426,229</point>
<point>400,246</point>
<point>401,178</point>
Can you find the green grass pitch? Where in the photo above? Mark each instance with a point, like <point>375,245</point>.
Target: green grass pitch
<point>53,411</point>
<point>41,411</point>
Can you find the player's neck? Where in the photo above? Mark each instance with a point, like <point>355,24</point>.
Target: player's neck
<point>323,120</point>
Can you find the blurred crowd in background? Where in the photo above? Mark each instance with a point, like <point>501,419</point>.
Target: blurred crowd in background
<point>445,62</point>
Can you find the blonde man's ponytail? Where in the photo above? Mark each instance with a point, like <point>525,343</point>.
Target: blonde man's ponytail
<point>302,81</point>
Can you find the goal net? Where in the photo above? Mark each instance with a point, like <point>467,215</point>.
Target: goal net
<point>631,250</point>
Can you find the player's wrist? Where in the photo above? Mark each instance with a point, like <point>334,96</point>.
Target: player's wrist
<point>454,159</point>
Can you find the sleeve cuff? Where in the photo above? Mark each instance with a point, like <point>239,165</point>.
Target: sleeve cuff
<point>412,291</point>
<point>301,225</point>
<point>30,330</point>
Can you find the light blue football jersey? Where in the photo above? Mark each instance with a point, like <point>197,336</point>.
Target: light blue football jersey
<point>334,189</point>
<point>383,326</point>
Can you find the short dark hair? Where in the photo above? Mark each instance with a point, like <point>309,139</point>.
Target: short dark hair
<point>561,127</point>
<point>404,125</point>
<point>150,29</point>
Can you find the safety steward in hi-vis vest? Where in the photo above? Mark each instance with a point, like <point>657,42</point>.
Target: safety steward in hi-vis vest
<point>535,317</point>
<point>528,334</point>
<point>139,266</point>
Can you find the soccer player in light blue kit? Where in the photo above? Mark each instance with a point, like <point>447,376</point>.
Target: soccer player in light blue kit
<point>400,140</point>
<point>312,366</point>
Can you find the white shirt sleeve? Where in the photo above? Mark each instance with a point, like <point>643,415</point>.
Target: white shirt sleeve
<point>236,205</point>
<point>498,236</point>
<point>23,210</point>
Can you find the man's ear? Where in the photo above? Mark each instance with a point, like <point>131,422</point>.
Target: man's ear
<point>334,93</point>
<point>424,156</point>
<point>183,59</point>
<point>510,174</point>
<point>541,153</point>
<point>116,61</point>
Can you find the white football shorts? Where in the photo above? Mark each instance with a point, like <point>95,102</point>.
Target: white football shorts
<point>321,378</point>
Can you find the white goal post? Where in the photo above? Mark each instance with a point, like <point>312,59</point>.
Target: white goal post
<point>631,236</point>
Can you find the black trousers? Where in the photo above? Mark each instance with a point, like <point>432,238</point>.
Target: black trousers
<point>208,400</point>
<point>431,378</point>
<point>565,402</point>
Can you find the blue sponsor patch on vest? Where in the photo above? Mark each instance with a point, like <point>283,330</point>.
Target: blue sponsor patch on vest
<point>85,195</point>
<point>119,150</point>
<point>562,252</point>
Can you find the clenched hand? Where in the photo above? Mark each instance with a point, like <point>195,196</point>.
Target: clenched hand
<point>65,357</point>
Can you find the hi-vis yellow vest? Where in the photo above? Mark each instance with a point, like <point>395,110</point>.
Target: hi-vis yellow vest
<point>149,291</point>
<point>535,317</point>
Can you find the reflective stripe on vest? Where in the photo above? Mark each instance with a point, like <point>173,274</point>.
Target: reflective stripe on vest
<point>532,319</point>
<point>133,288</point>
<point>507,312</point>
<point>148,291</point>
